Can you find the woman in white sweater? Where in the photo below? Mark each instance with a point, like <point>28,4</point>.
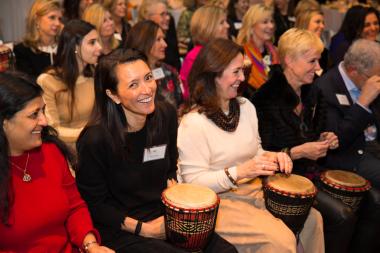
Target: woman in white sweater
<point>219,147</point>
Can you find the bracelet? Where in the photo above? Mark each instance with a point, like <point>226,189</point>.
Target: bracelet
<point>138,228</point>
<point>230,177</point>
<point>87,245</point>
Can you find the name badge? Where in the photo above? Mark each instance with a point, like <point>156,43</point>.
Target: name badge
<point>237,25</point>
<point>117,36</point>
<point>342,99</point>
<point>154,153</point>
<point>158,73</point>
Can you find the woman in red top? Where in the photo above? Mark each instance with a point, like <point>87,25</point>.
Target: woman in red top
<point>40,207</point>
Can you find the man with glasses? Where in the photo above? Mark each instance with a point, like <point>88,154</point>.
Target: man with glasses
<point>351,92</point>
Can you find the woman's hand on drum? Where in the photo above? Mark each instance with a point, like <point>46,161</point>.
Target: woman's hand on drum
<point>310,150</point>
<point>284,162</point>
<point>331,138</point>
<point>257,166</point>
<point>95,248</point>
<point>154,228</point>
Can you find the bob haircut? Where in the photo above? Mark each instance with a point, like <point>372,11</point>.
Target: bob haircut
<point>145,8</point>
<point>303,19</point>
<point>210,63</point>
<point>142,36</point>
<point>16,91</point>
<point>94,14</point>
<point>296,42</point>
<point>255,13</point>
<point>204,23</point>
<point>306,5</point>
<point>38,9</point>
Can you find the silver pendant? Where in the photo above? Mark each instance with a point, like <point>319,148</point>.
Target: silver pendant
<point>26,177</point>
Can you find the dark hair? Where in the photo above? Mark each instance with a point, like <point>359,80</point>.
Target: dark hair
<point>109,115</point>
<point>353,22</point>
<point>210,63</point>
<point>142,36</point>
<point>16,91</point>
<point>71,9</point>
<point>231,13</point>
<point>66,65</point>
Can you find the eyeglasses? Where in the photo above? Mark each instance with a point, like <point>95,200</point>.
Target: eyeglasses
<point>162,14</point>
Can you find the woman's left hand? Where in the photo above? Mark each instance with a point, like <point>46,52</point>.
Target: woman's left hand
<point>331,138</point>
<point>284,162</point>
<point>171,182</point>
<point>96,248</point>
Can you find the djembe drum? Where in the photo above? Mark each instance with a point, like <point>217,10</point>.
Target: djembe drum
<point>346,186</point>
<point>289,197</point>
<point>190,215</point>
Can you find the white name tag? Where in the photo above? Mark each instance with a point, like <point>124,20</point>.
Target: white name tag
<point>117,36</point>
<point>237,25</point>
<point>154,153</point>
<point>342,99</point>
<point>158,73</point>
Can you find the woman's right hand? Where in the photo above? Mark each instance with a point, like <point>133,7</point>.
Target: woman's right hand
<point>154,228</point>
<point>257,166</point>
<point>310,150</point>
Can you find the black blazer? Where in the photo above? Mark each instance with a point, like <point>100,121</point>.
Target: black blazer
<point>348,122</point>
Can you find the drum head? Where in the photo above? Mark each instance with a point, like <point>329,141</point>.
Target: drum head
<point>190,196</point>
<point>293,184</point>
<point>345,178</point>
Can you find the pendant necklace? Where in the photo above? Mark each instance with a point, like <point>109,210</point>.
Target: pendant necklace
<point>26,177</point>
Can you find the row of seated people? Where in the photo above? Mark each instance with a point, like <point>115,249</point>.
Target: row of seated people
<point>218,145</point>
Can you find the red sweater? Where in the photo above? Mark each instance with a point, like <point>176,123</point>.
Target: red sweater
<point>48,214</point>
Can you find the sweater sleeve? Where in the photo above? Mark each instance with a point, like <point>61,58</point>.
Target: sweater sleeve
<point>49,85</point>
<point>195,156</point>
<point>78,223</point>
<point>92,177</point>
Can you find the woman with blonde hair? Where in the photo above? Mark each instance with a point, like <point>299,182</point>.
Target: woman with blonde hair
<point>289,122</point>
<point>255,36</point>
<point>313,20</point>
<point>101,18</point>
<point>118,10</point>
<point>207,23</point>
<point>39,46</point>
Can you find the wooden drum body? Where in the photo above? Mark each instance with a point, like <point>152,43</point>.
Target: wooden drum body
<point>289,197</point>
<point>190,217</point>
<point>345,186</point>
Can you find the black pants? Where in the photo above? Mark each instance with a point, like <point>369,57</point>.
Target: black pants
<point>338,223</point>
<point>367,231</point>
<point>131,244</point>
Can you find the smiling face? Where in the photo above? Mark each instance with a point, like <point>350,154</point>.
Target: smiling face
<point>371,27</point>
<point>120,9</point>
<point>317,24</point>
<point>263,30</point>
<point>158,13</point>
<point>49,25</point>
<point>157,51</point>
<point>228,83</point>
<point>222,28</point>
<point>23,130</point>
<point>90,49</point>
<point>135,90</point>
<point>108,27</point>
<point>303,67</point>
